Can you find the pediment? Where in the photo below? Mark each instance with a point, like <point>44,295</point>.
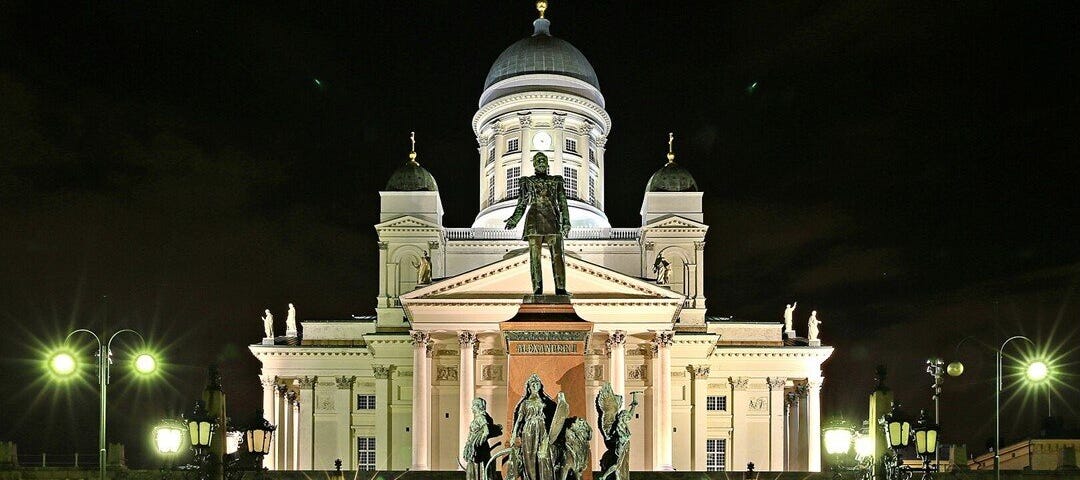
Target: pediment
<point>406,222</point>
<point>492,293</point>
<point>674,222</point>
<point>511,277</point>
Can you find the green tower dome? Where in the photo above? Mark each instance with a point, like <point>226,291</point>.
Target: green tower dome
<point>411,177</point>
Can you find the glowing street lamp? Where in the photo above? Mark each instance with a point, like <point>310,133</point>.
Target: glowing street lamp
<point>169,437</point>
<point>1035,372</point>
<point>64,365</point>
<point>926,442</point>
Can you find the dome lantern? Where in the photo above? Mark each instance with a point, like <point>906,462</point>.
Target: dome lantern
<point>671,177</point>
<point>411,177</point>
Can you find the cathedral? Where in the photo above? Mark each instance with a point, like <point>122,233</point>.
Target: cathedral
<point>392,391</point>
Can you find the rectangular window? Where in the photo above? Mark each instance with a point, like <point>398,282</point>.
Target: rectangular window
<point>513,177</point>
<point>570,182</point>
<point>365,453</point>
<point>716,403</point>
<point>592,190</point>
<point>592,156</point>
<point>571,145</point>
<point>491,190</point>
<point>513,145</point>
<point>365,402</point>
<point>491,154</point>
<point>715,454</point>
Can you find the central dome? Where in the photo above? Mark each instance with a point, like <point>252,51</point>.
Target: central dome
<point>541,53</point>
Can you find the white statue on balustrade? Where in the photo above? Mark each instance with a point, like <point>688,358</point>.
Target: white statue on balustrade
<point>789,314</point>
<point>812,327</point>
<point>290,322</point>
<point>268,324</point>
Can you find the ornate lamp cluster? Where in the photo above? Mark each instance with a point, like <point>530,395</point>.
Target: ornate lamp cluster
<point>899,434</point>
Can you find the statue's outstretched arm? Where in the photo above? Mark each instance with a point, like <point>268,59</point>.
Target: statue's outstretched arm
<point>522,203</point>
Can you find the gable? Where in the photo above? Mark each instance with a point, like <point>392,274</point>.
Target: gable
<point>675,222</point>
<point>406,222</point>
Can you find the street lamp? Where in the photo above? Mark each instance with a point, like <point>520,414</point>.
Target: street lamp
<point>63,365</point>
<point>257,437</point>
<point>926,442</point>
<point>201,427</point>
<point>1035,372</point>
<point>897,436</point>
<point>839,438</point>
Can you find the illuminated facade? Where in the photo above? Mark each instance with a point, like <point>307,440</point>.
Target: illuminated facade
<point>392,391</point>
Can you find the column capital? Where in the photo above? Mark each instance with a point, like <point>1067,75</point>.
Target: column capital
<point>776,383</point>
<point>663,340</point>
<point>308,383</point>
<point>815,383</point>
<point>383,245</point>
<point>420,338</point>
<point>268,381</point>
<point>700,371</point>
<point>282,389</point>
<point>615,338</point>
<point>467,339</point>
<point>290,396</point>
<point>381,372</point>
<point>791,399</point>
<point>345,381</point>
<point>739,383</point>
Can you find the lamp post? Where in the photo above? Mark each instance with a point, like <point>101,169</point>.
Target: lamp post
<point>936,367</point>
<point>200,427</point>
<point>63,364</point>
<point>926,443</point>
<point>897,436</point>
<point>1036,372</point>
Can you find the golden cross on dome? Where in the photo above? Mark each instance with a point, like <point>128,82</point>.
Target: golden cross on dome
<point>541,5</point>
<point>670,148</point>
<point>412,153</point>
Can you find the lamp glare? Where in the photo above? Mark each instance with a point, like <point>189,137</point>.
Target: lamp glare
<point>145,364</point>
<point>1037,371</point>
<point>62,364</point>
<point>955,369</point>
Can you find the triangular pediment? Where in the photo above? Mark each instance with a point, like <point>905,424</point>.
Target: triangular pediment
<point>406,221</point>
<point>674,222</point>
<point>481,298</point>
<point>511,277</point>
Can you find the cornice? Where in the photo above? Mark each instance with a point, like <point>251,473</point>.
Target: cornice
<point>524,97</point>
<point>788,352</point>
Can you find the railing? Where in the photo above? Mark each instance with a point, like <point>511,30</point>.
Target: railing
<point>57,460</point>
<point>575,234</point>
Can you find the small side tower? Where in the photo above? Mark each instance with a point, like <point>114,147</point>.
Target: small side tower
<point>410,228</point>
<point>672,227</point>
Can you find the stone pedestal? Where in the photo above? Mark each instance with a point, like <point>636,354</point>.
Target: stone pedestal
<point>550,340</point>
<point>815,343</point>
<point>789,333</point>
<point>268,341</point>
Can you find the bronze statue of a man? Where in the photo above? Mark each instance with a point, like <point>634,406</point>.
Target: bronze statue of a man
<point>547,222</point>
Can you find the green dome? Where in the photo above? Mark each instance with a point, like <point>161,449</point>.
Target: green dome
<point>541,53</point>
<point>671,178</point>
<point>411,177</point>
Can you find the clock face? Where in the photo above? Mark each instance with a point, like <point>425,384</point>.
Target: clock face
<point>541,141</point>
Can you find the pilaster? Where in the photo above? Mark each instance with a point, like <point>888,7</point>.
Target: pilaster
<point>383,419</point>
<point>343,403</point>
<point>776,423</point>
<point>739,402</point>
<point>700,413</point>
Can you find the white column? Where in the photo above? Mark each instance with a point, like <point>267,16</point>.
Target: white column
<point>383,421</point>
<point>776,423</point>
<point>813,423</point>
<point>269,396</point>
<point>663,379</point>
<point>305,431</point>
<point>616,344</point>
<point>466,384</point>
<point>287,432</point>
<point>700,415</point>
<point>295,431</point>
<point>421,408</point>
<point>282,427</point>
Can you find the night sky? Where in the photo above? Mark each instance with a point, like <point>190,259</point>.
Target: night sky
<point>906,168</point>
